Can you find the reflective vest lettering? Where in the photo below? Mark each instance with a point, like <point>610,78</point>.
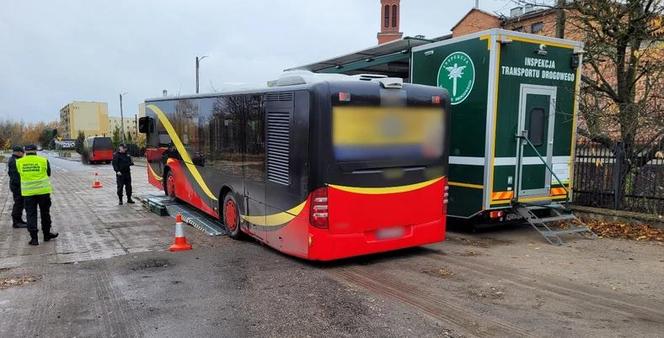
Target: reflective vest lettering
<point>34,179</point>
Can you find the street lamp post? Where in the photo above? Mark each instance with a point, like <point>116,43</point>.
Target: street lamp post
<point>122,119</point>
<point>198,63</point>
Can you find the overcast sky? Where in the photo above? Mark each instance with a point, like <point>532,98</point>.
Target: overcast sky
<point>53,52</point>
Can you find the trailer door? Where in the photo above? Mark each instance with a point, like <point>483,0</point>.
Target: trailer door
<point>535,148</point>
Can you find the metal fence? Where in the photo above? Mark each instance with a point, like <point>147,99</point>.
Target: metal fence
<point>595,182</point>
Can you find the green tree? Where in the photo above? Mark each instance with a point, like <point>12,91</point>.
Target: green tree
<point>129,138</point>
<point>79,142</point>
<point>116,137</point>
<point>46,138</point>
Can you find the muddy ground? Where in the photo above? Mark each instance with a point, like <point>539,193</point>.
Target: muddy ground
<point>108,275</point>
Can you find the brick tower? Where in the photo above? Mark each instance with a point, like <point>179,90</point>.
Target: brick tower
<point>389,21</point>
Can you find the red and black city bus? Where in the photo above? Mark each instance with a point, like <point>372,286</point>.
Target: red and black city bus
<point>97,149</point>
<point>320,170</point>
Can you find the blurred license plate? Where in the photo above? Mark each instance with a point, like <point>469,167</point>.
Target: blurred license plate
<point>389,233</point>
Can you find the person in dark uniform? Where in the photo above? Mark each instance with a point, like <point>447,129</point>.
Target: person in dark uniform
<point>36,191</point>
<point>122,163</point>
<point>15,187</point>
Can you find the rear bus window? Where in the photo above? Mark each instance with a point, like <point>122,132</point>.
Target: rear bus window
<point>103,143</point>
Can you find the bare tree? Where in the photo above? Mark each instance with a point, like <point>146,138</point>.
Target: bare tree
<point>622,96</point>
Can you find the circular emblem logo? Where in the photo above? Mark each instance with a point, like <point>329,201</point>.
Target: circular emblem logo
<point>457,75</point>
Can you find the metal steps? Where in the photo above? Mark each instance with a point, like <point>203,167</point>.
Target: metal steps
<point>564,217</point>
<point>546,225</point>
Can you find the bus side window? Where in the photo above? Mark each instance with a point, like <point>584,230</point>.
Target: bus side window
<point>230,111</point>
<point>255,138</point>
<point>164,139</point>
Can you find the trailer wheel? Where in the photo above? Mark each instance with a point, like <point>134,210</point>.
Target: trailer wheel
<point>231,217</point>
<point>169,187</point>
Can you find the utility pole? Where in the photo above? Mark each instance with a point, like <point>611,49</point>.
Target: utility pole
<point>560,19</point>
<point>198,65</point>
<point>122,132</point>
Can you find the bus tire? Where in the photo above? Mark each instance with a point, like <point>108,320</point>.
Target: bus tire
<point>231,217</point>
<point>169,185</point>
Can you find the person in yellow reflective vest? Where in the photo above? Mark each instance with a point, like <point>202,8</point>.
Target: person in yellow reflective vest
<point>36,191</point>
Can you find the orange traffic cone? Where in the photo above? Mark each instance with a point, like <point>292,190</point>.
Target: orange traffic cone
<point>96,183</point>
<point>180,243</point>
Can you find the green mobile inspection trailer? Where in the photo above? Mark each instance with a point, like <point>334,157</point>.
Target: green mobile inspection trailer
<point>513,119</point>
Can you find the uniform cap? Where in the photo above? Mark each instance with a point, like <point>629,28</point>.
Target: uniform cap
<point>18,148</point>
<point>30,147</point>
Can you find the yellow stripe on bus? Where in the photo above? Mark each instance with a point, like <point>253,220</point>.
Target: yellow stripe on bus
<point>386,190</point>
<point>154,173</point>
<point>275,219</point>
<point>181,150</point>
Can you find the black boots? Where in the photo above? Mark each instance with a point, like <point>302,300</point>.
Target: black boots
<point>47,237</point>
<point>33,238</point>
<point>50,235</point>
<point>21,224</point>
<point>129,200</point>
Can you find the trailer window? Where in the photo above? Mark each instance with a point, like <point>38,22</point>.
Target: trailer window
<point>536,126</point>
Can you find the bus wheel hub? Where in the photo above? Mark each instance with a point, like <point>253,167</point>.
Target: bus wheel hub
<point>231,215</point>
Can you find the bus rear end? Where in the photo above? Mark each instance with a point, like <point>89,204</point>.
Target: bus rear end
<point>102,150</point>
<point>97,149</point>
<point>379,169</point>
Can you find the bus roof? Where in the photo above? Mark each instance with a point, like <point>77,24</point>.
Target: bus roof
<point>294,80</point>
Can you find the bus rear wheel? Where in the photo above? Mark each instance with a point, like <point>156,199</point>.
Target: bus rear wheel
<point>169,187</point>
<point>231,217</point>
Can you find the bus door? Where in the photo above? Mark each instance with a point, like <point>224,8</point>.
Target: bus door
<point>536,122</point>
<point>254,164</point>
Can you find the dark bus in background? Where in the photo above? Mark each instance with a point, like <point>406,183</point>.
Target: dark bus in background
<point>316,169</point>
<point>97,149</point>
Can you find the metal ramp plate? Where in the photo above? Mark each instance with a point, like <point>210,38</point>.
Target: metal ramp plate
<point>191,216</point>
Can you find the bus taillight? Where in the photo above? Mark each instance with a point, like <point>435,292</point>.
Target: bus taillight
<point>318,213</point>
